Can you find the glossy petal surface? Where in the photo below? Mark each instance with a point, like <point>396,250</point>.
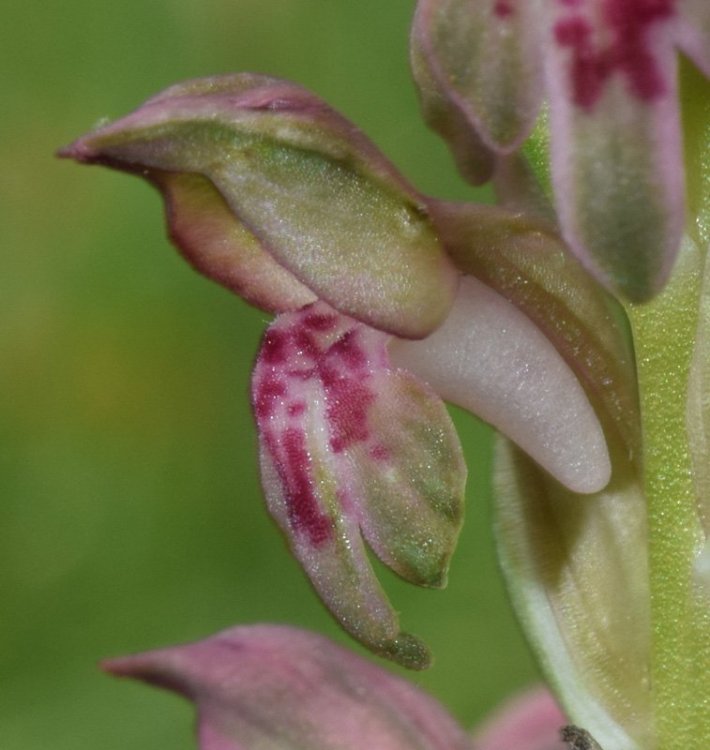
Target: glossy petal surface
<point>276,687</point>
<point>525,260</point>
<point>491,359</point>
<point>307,184</point>
<point>349,446</point>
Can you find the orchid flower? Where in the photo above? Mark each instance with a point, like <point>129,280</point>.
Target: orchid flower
<point>580,113</point>
<point>278,687</point>
<point>388,301</point>
<point>606,71</point>
<point>277,197</point>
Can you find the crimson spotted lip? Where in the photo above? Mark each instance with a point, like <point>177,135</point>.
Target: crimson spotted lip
<point>353,448</point>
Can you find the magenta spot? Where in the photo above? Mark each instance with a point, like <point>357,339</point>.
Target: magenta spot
<point>347,348</point>
<point>503,9</point>
<point>320,321</point>
<point>303,510</point>
<point>348,404</point>
<point>588,70</point>
<point>301,373</point>
<point>269,392</point>
<point>296,409</point>
<point>328,373</point>
<point>628,51</point>
<point>380,453</point>
<point>306,344</point>
<point>274,349</point>
<point>573,32</point>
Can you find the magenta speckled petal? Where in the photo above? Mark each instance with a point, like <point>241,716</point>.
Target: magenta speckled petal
<point>349,445</point>
<point>279,687</point>
<point>483,58</point>
<point>616,146</point>
<point>314,192</point>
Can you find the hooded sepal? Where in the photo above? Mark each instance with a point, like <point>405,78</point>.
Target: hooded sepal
<point>312,189</point>
<point>475,161</point>
<point>270,686</point>
<point>351,446</point>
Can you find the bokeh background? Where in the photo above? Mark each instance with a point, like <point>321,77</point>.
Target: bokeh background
<point>130,513</point>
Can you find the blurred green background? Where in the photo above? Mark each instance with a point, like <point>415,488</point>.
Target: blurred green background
<point>131,516</point>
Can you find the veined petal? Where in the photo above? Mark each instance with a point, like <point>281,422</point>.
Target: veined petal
<point>277,687</point>
<point>349,444</point>
<point>485,60</point>
<point>491,359</point>
<point>616,153</point>
<point>305,182</point>
<point>577,572</point>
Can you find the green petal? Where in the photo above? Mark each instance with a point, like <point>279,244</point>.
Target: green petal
<point>616,158</point>
<point>485,61</point>
<point>577,571</point>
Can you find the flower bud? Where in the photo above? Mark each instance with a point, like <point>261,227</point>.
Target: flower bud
<point>269,686</point>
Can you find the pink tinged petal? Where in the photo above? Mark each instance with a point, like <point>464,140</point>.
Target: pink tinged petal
<point>278,687</point>
<point>491,359</point>
<point>531,721</point>
<point>213,241</point>
<point>616,152</point>
<point>312,189</point>
<point>349,446</point>
<point>484,58</point>
<point>693,31</point>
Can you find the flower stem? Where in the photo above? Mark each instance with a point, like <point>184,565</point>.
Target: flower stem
<point>664,333</point>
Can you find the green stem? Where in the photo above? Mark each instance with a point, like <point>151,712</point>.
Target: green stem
<point>664,335</point>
